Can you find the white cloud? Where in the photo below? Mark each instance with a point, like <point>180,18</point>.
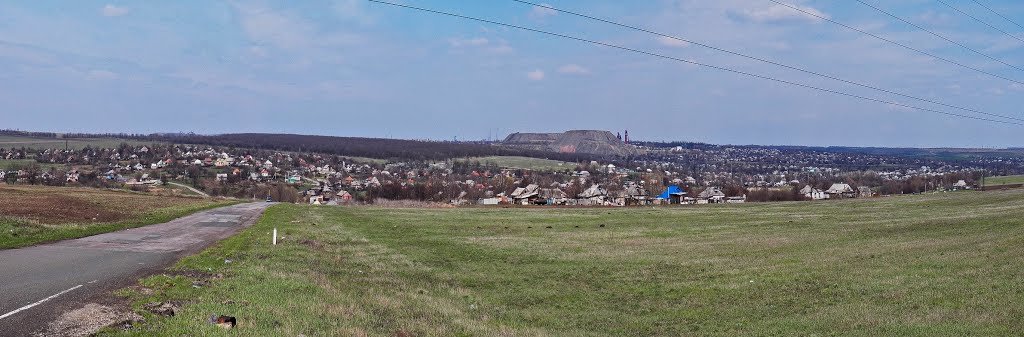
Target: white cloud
<point>457,42</point>
<point>573,69</point>
<point>100,74</point>
<point>286,31</point>
<point>542,11</point>
<point>780,13</point>
<point>258,51</point>
<point>667,41</point>
<point>1017,87</point>
<point>265,26</point>
<point>535,75</point>
<point>111,10</point>
<point>353,10</point>
<point>501,49</point>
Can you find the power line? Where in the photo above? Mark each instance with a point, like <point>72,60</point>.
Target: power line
<point>939,36</point>
<point>979,20</point>
<point>776,63</point>
<point>997,13</point>
<point>690,62</point>
<point>895,43</point>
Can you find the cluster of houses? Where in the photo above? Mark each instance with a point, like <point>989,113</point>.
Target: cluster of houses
<point>323,179</point>
<point>845,191</point>
<point>632,194</point>
<point>836,191</point>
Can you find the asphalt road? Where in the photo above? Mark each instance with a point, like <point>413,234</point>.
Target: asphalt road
<point>40,282</point>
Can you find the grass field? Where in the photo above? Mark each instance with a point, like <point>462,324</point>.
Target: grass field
<point>939,264</point>
<point>35,214</point>
<point>76,143</point>
<point>12,164</point>
<point>535,164</point>
<point>1004,180</point>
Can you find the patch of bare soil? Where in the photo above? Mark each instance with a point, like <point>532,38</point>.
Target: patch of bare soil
<point>89,319</point>
<point>54,209</point>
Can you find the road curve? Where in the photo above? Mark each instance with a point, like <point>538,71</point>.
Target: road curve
<point>40,282</point>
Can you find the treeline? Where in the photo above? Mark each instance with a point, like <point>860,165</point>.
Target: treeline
<point>19,133</point>
<point>343,146</point>
<point>668,145</point>
<point>356,147</point>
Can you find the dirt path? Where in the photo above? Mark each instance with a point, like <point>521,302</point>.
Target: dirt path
<point>190,188</point>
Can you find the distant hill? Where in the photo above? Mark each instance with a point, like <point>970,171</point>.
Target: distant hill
<point>601,143</point>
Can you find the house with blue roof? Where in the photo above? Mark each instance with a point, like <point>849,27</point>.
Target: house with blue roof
<point>674,195</point>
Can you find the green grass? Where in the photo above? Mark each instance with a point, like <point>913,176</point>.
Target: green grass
<point>74,143</point>
<point>367,160</point>
<point>13,164</point>
<point>939,264</point>
<point>527,163</point>
<point>1004,180</point>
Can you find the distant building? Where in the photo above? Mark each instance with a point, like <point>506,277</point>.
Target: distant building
<point>711,195</point>
<point>736,200</point>
<point>526,195</point>
<point>864,192</point>
<point>813,193</point>
<point>840,190</point>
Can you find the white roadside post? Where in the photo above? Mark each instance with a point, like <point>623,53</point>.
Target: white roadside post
<point>275,236</point>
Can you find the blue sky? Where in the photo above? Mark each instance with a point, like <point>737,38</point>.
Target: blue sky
<point>355,68</point>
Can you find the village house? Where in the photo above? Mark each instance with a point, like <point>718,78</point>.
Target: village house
<point>674,196</point>
<point>72,177</point>
<point>711,195</point>
<point>634,194</point>
<point>840,190</point>
<point>343,197</point>
<point>813,193</point>
<point>594,195</point>
<point>526,195</point>
<point>554,196</point>
<point>864,192</point>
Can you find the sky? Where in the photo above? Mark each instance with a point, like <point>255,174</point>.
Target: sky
<point>364,69</point>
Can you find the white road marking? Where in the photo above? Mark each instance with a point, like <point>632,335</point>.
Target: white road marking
<point>38,303</point>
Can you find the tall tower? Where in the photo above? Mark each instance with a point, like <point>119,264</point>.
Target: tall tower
<point>627,137</point>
